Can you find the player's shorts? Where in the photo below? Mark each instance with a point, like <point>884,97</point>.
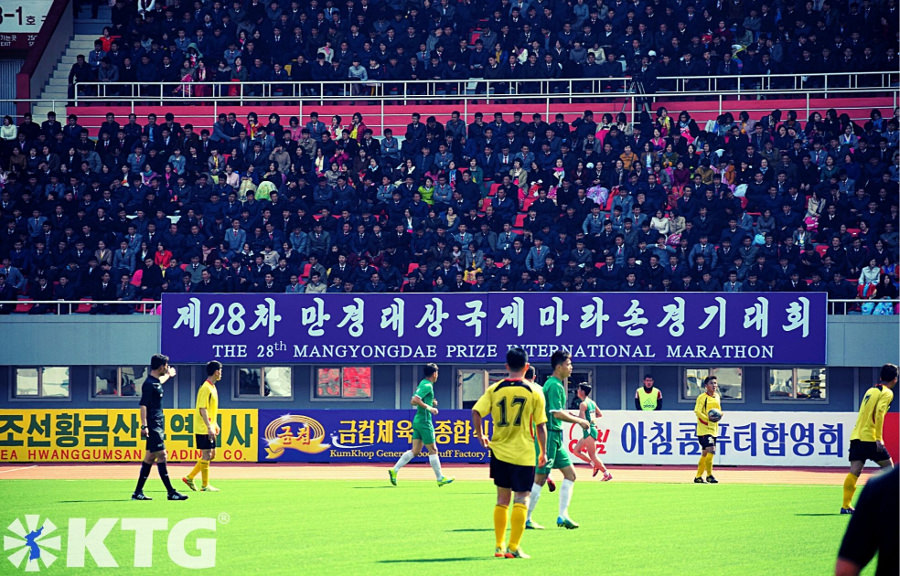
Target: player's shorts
<point>423,432</point>
<point>590,432</point>
<point>156,440</point>
<point>862,451</point>
<point>557,456</point>
<point>203,442</point>
<point>515,477</point>
<point>707,441</point>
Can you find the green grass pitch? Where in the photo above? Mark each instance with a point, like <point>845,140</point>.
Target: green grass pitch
<point>371,528</point>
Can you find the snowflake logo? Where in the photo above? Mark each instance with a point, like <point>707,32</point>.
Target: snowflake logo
<point>31,545</point>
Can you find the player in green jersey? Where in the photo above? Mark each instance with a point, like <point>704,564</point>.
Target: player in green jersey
<point>423,428</point>
<point>586,448</point>
<point>557,456</point>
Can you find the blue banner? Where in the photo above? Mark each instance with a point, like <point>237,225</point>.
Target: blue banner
<point>648,328</point>
<point>361,436</point>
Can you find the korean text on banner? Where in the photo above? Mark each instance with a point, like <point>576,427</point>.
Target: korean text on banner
<point>650,328</point>
<point>114,435</point>
<point>361,436</point>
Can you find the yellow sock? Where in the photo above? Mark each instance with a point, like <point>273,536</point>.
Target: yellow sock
<point>196,470</point>
<point>500,523</point>
<point>849,489</point>
<point>709,464</point>
<point>517,524</point>
<point>701,466</point>
<point>204,472</point>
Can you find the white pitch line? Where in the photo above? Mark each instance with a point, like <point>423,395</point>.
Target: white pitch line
<point>17,469</point>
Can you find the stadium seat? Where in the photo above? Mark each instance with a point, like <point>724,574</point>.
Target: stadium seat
<point>485,203</point>
<point>137,277</point>
<point>413,266</point>
<point>520,220</point>
<point>853,232</point>
<point>304,275</point>
<point>822,249</point>
<point>25,304</point>
<point>84,307</point>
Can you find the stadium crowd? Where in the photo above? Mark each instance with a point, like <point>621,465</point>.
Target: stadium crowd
<point>748,205</point>
<point>191,44</point>
<point>661,203</point>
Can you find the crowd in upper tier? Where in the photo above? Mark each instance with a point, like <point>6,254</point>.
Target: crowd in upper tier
<point>192,44</point>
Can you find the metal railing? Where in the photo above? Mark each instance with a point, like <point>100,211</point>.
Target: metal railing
<point>86,306</point>
<point>388,101</point>
<point>883,307</point>
<point>826,85</point>
<point>154,307</point>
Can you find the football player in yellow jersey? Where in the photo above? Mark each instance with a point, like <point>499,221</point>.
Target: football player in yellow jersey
<point>706,429</point>
<point>515,405</point>
<point>206,430</point>
<point>866,440</point>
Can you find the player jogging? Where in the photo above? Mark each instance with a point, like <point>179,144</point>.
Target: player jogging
<point>707,429</point>
<point>866,440</point>
<point>206,430</point>
<point>557,456</point>
<point>423,428</point>
<point>588,443</point>
<point>516,407</point>
<point>154,432</point>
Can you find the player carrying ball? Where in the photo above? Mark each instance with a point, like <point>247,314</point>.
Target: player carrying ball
<point>707,429</point>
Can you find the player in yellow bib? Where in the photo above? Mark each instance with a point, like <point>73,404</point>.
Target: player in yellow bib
<point>206,427</point>
<point>706,429</point>
<point>866,439</point>
<point>516,407</point>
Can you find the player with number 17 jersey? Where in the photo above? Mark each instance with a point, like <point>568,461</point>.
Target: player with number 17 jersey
<point>515,407</point>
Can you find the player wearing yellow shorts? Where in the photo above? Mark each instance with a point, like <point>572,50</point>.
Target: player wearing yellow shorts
<point>866,439</point>
<point>423,428</point>
<point>516,407</point>
<point>707,429</point>
<point>206,428</point>
<point>557,456</point>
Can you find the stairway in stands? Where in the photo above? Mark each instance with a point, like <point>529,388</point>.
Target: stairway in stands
<point>55,92</point>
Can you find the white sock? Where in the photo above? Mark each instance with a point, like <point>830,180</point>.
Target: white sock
<point>565,496</point>
<point>435,462</point>
<point>403,461</point>
<point>535,496</point>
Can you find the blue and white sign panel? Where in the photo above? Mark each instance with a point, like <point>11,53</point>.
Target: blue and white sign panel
<point>649,328</point>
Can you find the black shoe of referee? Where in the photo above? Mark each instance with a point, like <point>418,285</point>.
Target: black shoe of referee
<point>175,495</point>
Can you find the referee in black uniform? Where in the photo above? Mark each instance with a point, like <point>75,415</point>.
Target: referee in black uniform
<point>153,427</point>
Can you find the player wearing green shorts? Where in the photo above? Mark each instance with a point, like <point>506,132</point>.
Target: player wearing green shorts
<point>588,443</point>
<point>423,428</point>
<point>557,456</point>
<point>530,376</point>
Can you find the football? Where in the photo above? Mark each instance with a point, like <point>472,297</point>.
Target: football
<point>714,415</point>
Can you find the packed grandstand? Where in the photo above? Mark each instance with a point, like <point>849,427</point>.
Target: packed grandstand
<point>128,207</point>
